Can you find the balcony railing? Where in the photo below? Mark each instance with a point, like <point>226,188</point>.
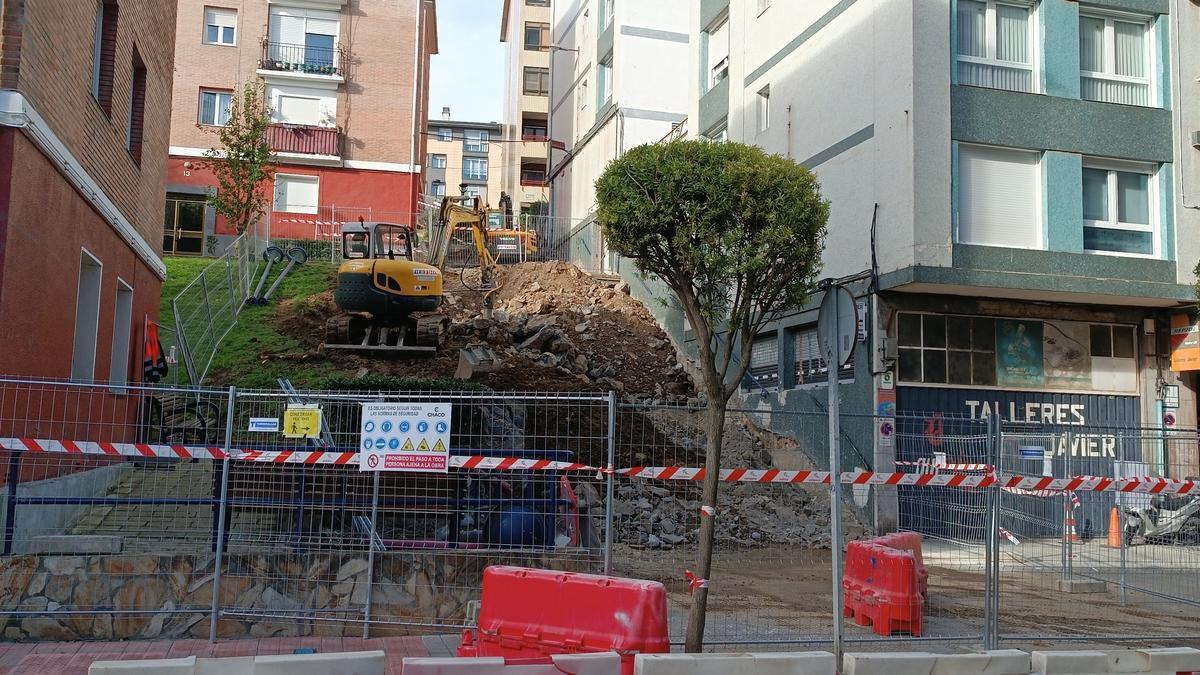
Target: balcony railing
<point>304,140</point>
<point>305,59</point>
<point>533,178</point>
<point>536,138</point>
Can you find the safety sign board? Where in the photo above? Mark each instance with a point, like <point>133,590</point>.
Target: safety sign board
<point>264,424</point>
<point>302,421</point>
<point>405,437</point>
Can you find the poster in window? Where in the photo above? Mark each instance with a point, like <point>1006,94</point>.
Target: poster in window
<point>1019,354</point>
<point>1185,343</point>
<point>1066,355</point>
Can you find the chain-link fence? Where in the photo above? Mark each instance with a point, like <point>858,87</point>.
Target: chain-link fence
<point>168,512</point>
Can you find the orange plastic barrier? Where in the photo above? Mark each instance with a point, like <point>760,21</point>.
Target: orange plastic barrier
<point>881,589</point>
<point>911,542</point>
<point>530,614</point>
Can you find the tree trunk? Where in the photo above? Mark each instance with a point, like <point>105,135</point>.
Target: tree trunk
<point>715,430</point>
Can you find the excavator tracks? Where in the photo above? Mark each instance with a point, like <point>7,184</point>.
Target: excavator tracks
<point>413,337</point>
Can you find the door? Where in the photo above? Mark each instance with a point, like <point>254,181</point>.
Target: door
<point>183,226</point>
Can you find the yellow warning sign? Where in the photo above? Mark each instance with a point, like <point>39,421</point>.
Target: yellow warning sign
<point>408,446</point>
<point>439,446</point>
<point>423,446</point>
<point>302,422</point>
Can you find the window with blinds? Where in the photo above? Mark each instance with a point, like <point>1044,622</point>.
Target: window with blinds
<point>999,201</point>
<point>811,367</point>
<point>764,363</point>
<point>997,45</point>
<point>1115,60</point>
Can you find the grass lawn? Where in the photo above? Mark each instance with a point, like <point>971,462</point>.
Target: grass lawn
<point>238,359</point>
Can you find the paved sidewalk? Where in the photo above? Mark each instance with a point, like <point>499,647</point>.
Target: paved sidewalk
<point>73,658</point>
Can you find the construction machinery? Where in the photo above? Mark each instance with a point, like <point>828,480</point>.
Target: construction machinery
<point>380,286</point>
<point>507,240</point>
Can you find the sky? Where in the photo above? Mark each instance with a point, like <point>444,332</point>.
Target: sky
<point>468,70</point>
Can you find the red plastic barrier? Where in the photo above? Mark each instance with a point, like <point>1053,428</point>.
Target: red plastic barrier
<point>911,542</point>
<point>881,589</point>
<point>531,614</point>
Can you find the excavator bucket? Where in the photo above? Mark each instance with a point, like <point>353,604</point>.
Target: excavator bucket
<point>476,360</point>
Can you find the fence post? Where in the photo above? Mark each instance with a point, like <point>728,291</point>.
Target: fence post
<point>609,487</point>
<point>224,505</point>
<point>234,294</point>
<point>371,555</point>
<point>991,607</point>
<point>181,339</point>
<point>1121,508</point>
<point>10,513</point>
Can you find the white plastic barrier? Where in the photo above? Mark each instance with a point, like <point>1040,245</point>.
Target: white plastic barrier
<point>781,663</point>
<point>607,663</point>
<point>999,662</point>
<point>343,663</point>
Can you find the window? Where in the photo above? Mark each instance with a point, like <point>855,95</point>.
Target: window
<point>763,5</point>
<point>104,54</point>
<point>445,134</point>
<point>475,140</point>
<point>538,3</point>
<point>764,364</point>
<point>302,110</point>
<point>1114,60</point>
<point>437,188</point>
<point>537,36</point>
<point>606,85</point>
<point>764,108</point>
<point>475,168</point>
<point>998,197</point>
<point>214,107</point>
<point>1118,209</point>
<point>437,161</point>
<point>537,81</point>
<point>718,55</point>
<point>718,135</point>
<point>118,369</point>
<point>533,174</point>
<point>534,131</point>
<point>137,107</point>
<point>296,194</point>
<point>1114,358</point>
<point>220,26</point>
<point>996,45</point>
<point>87,319</point>
<point>303,39</point>
<point>811,367</point>
<point>475,191</point>
<point>936,348</point>
<point>606,13</point>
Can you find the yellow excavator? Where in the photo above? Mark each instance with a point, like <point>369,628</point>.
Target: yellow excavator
<point>381,284</point>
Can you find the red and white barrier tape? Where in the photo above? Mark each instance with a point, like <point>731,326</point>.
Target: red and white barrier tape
<point>947,467</point>
<point>1030,485</point>
<point>694,581</point>
<point>113,449</point>
<point>1009,536</point>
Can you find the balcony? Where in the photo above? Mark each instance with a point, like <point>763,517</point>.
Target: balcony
<point>309,62</point>
<point>315,144</point>
<point>533,177</point>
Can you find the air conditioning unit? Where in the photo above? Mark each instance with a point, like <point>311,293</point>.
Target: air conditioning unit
<point>1196,139</point>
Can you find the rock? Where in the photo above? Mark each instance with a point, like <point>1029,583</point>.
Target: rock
<point>273,599</point>
<point>141,593</point>
<point>500,315</point>
<point>582,327</point>
<point>756,536</point>
<point>539,338</point>
<point>62,564</point>
<point>351,568</point>
<point>621,287</point>
<point>580,363</point>
<point>653,542</point>
<point>615,385</point>
<point>673,539</point>
<point>658,491</point>
<point>534,287</point>
<point>46,628</point>
<point>537,323</point>
<point>549,360</point>
<point>342,588</point>
<point>559,345</point>
<point>482,323</point>
<point>668,527</point>
<point>125,565</point>
<point>58,588</point>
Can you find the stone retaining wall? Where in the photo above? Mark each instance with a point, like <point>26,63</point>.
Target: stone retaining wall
<point>107,597</point>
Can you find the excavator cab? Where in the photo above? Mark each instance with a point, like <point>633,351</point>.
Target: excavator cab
<point>379,287</point>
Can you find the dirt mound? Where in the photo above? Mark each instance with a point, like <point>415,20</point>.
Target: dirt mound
<point>554,328</point>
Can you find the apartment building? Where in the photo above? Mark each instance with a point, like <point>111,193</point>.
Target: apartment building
<point>347,83</point>
<point>85,99</point>
<point>464,157</point>
<point>1011,180</point>
<point>525,29</point>
<point>618,79</point>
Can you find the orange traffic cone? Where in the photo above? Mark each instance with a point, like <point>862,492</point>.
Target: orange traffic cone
<point>1114,529</point>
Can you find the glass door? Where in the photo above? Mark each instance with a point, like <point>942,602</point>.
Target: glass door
<point>183,225</point>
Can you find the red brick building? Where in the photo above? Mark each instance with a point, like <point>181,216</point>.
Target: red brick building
<point>85,104</point>
<point>347,82</point>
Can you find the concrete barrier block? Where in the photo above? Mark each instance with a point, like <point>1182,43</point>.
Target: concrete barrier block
<point>1000,662</point>
<point>1070,663</point>
<point>60,544</point>
<point>184,666</point>
<point>782,663</point>
<point>1167,660</point>
<point>483,665</point>
<point>606,663</point>
<point>232,665</point>
<point>343,663</point>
